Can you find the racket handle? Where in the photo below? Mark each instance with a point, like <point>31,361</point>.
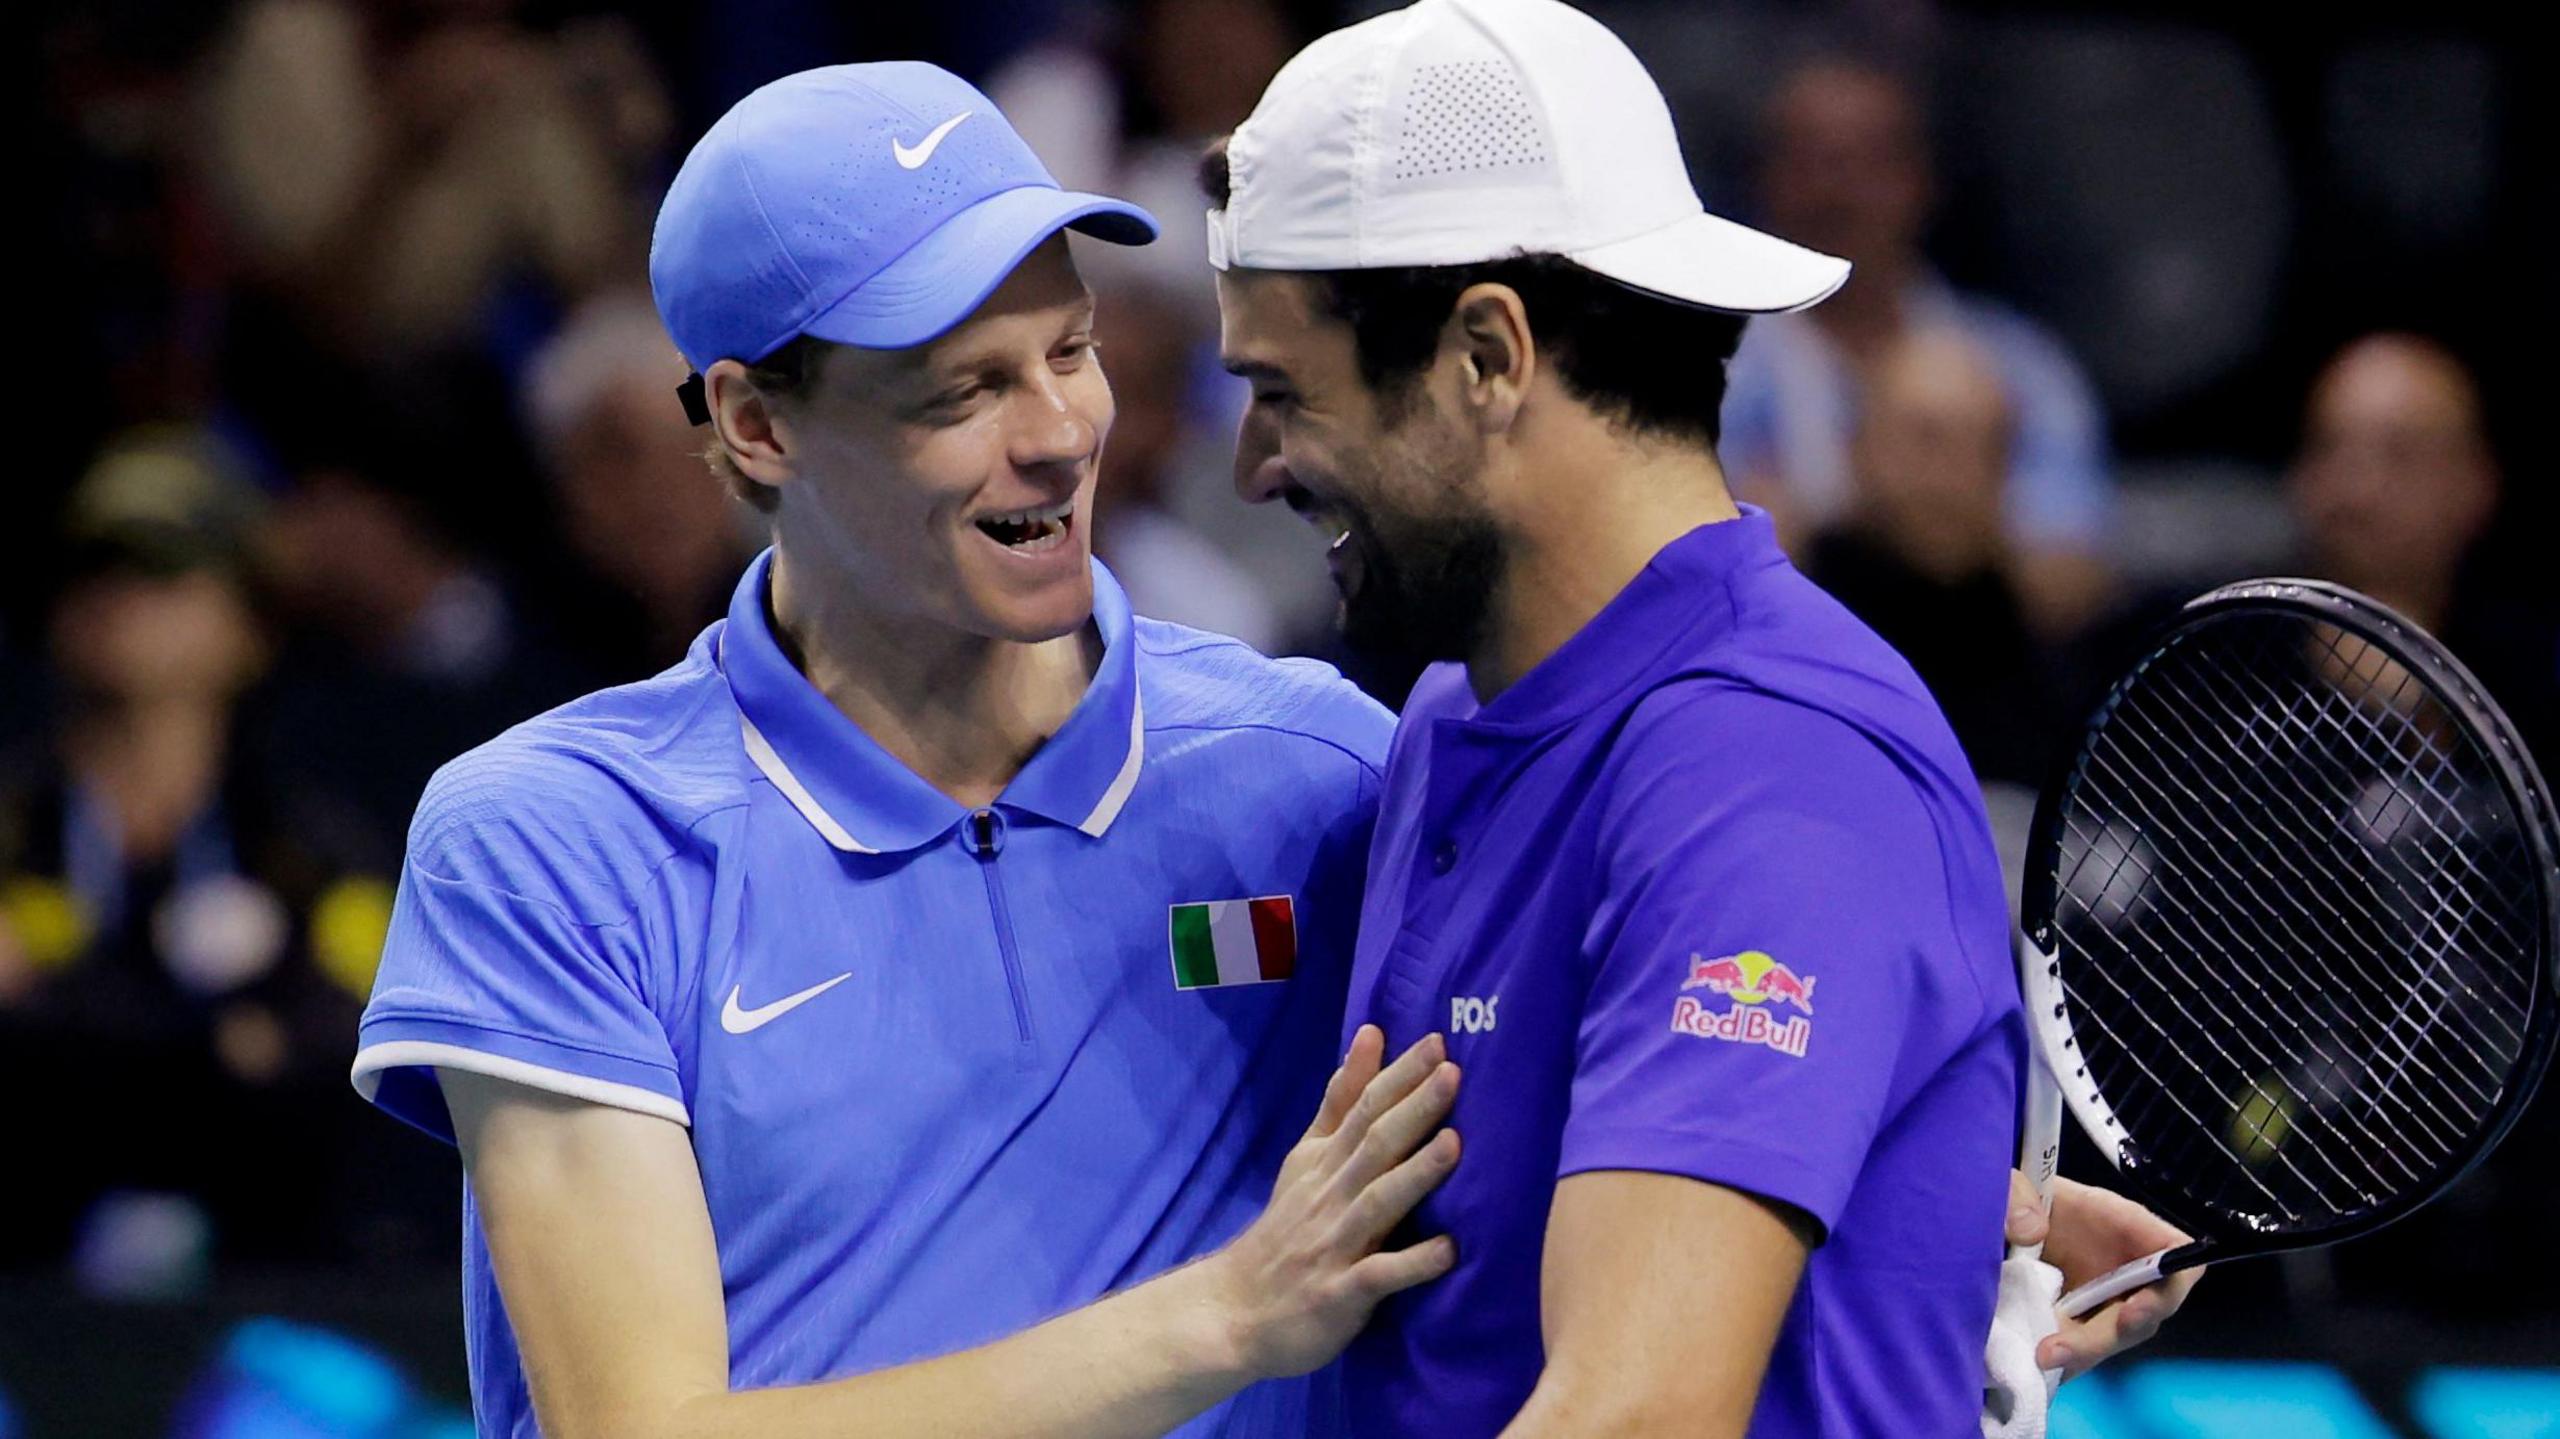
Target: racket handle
<point>2122,1280</point>
<point>2039,1141</point>
<point>2040,1137</point>
<point>2016,1391</point>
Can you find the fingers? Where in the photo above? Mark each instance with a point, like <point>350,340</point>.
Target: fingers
<point>2177,1287</point>
<point>1301,1279</point>
<point>1358,1067</point>
<point>1385,1203</point>
<point>2093,1230</point>
<point>1389,1088</point>
<point>1380,1275</point>
<point>2080,1345</point>
<point>1401,1128</point>
<point>2027,1222</point>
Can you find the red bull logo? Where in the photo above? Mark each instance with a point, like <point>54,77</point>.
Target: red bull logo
<point>1751,977</point>
<point>1741,1026</point>
<point>1757,985</point>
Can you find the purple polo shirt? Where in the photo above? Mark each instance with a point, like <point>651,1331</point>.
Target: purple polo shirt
<point>1710,893</point>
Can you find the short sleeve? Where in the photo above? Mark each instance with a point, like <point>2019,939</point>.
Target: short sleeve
<point>1773,883</point>
<point>514,952</point>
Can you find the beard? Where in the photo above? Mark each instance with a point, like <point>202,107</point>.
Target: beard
<point>1423,590</point>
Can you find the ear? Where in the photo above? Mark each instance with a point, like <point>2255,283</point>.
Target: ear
<point>1498,358</point>
<point>749,428</point>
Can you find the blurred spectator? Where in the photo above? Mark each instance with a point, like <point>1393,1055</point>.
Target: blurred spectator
<point>1922,555</point>
<point>405,651</point>
<point>131,293</point>
<point>1134,122</point>
<point>640,510</point>
<point>1170,571</point>
<point>180,966</point>
<point>1847,170</point>
<point>387,166</point>
<point>2395,488</point>
<point>407,194</point>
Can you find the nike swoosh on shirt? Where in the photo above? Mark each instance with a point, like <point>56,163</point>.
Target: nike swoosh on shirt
<point>912,159</point>
<point>741,1021</point>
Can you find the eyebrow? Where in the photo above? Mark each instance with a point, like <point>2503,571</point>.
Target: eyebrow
<point>1079,314</point>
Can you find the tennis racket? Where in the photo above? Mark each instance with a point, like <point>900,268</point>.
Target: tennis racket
<point>2292,914</point>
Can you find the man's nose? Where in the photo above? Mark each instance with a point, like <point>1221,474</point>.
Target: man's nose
<point>1052,428</point>
<point>1260,476</point>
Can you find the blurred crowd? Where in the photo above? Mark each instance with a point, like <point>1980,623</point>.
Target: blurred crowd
<point>368,447</point>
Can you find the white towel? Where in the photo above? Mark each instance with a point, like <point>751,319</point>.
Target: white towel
<point>2016,1394</point>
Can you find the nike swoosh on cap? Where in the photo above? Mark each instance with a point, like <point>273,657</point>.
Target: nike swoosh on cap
<point>915,158</point>
<point>741,1021</point>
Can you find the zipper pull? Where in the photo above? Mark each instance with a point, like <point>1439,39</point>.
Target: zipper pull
<point>986,833</point>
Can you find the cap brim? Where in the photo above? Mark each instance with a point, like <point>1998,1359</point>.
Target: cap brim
<point>946,275</point>
<point>1709,261</point>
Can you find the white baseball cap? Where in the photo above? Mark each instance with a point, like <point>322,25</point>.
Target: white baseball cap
<point>1453,132</point>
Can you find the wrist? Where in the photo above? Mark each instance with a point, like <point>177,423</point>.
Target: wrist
<point>1209,1331</point>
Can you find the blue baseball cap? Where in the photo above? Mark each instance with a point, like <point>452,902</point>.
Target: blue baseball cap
<point>871,205</point>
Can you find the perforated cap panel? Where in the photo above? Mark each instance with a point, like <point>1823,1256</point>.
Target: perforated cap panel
<point>1466,115</point>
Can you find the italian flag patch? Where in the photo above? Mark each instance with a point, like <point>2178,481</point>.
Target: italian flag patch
<point>1233,941</point>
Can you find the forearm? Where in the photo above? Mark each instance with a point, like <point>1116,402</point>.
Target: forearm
<point>1135,1364</point>
<point>606,1256</point>
<point>1660,1298</point>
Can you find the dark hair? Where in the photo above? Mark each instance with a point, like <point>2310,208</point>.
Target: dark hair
<point>1651,363</point>
<point>787,374</point>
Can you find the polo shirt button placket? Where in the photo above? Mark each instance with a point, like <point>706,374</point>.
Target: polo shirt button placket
<point>983,834</point>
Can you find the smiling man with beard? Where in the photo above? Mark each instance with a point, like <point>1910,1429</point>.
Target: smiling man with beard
<point>1682,857</point>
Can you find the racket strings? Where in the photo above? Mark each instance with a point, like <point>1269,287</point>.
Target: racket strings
<point>2224,904</point>
<point>2399,860</point>
<point>2333,1065</point>
<point>2140,1118</point>
<point>2263,1062</point>
<point>2385,821</point>
<point>2310,1042</point>
<point>2289,899</point>
<point>2293,941</point>
<point>2420,736</point>
<point>2297,943</point>
<point>2329,709</point>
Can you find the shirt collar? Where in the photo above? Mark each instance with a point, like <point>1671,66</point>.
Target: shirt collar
<point>1680,598</point>
<point>863,800</point>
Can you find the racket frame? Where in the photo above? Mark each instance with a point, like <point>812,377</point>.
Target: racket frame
<point>2059,1080</point>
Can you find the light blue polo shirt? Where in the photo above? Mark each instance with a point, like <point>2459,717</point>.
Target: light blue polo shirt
<point>939,1072</point>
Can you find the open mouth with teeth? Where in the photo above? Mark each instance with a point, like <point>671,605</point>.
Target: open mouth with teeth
<point>1031,531</point>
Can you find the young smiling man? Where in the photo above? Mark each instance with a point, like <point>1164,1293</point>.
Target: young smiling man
<point>1682,857</point>
<point>938,948</point>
